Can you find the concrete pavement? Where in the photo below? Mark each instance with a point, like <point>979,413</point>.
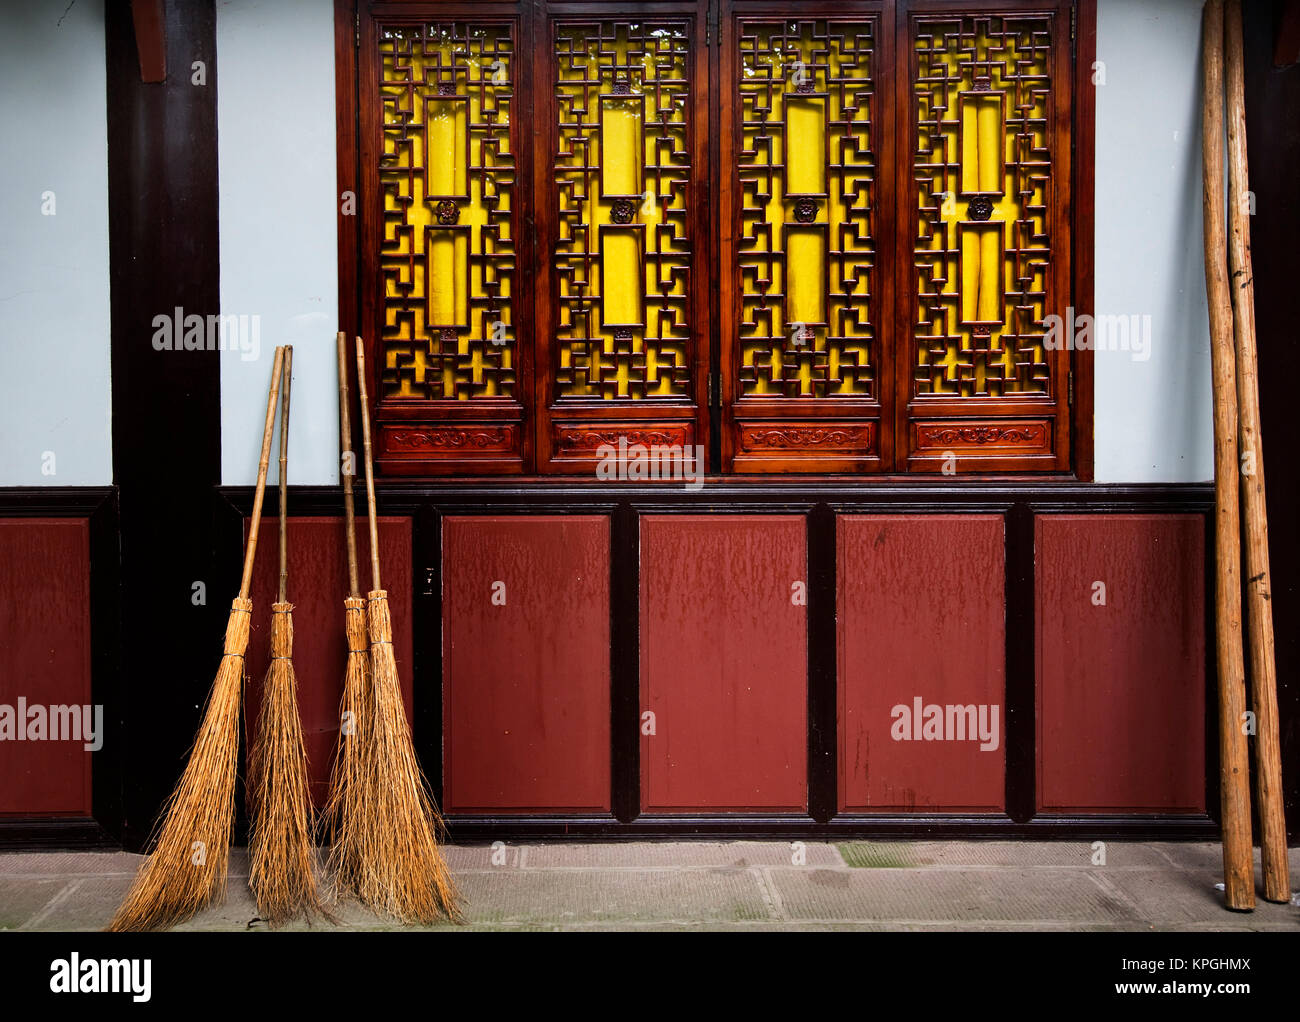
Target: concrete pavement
<point>741,885</point>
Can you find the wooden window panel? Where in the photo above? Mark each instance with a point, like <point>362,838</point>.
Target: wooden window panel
<point>806,337</point>
<point>444,297</point>
<point>984,237</point>
<point>919,322</point>
<point>621,192</point>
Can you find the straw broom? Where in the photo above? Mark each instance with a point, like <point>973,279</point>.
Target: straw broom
<point>404,873</point>
<point>281,857</point>
<point>187,869</point>
<point>349,814</point>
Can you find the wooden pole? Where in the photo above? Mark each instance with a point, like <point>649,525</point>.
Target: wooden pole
<point>255,522</point>
<point>347,465</point>
<point>284,476</point>
<point>370,472</point>
<point>1234,775</point>
<point>1259,611</point>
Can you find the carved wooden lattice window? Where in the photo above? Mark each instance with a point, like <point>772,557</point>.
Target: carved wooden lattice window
<point>443,255</point>
<point>622,206</point>
<point>545,244</point>
<point>803,324</point>
<point>989,246</point>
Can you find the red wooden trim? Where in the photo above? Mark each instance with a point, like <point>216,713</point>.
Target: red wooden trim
<point>45,633</point>
<point>526,693</point>
<point>150,39</point>
<point>723,663</point>
<point>897,578</point>
<point>1120,684</point>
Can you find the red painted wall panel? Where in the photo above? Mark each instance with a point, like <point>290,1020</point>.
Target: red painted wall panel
<point>318,584</point>
<point>1121,687</point>
<point>724,663</point>
<point>45,653</point>
<point>921,615</point>
<point>526,664</point>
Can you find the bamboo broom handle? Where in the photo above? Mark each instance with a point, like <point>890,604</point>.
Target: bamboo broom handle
<point>256,523</point>
<point>1259,611</point>
<point>370,470</point>
<point>347,464</point>
<point>1234,780</point>
<point>284,477</point>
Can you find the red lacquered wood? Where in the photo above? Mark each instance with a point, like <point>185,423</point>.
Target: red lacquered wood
<point>724,663</point>
<point>526,675</point>
<point>45,650</point>
<point>1121,687</point>
<point>318,584</point>
<point>920,613</point>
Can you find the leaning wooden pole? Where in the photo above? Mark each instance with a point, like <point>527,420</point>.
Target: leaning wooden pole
<point>1234,775</point>
<point>1259,611</point>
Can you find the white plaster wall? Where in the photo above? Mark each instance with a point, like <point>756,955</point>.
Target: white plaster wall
<point>278,239</point>
<point>55,381</point>
<point>1154,420</point>
<point>279,249</point>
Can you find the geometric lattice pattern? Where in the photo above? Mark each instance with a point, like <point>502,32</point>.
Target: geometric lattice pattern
<point>623,248</point>
<point>806,169</point>
<point>983,107</point>
<point>446,174</point>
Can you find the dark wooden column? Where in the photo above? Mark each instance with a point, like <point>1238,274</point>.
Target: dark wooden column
<point>1273,138</point>
<point>162,194</point>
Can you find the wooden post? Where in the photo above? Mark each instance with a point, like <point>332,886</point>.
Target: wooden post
<point>1259,611</point>
<point>1234,779</point>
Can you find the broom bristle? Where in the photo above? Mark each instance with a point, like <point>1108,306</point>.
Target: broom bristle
<point>281,856</point>
<point>348,819</point>
<point>405,874</point>
<point>187,868</point>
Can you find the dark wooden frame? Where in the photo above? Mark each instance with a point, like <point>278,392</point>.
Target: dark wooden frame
<point>819,501</point>
<point>1072,409</point>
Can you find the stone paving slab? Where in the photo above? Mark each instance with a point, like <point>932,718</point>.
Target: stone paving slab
<point>964,854</point>
<point>673,855</point>
<point>907,895</point>
<point>730,886</point>
<point>559,897</point>
<point>22,899</point>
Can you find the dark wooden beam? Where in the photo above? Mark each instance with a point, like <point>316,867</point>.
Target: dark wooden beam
<point>1286,42</point>
<point>150,39</point>
<point>163,254</point>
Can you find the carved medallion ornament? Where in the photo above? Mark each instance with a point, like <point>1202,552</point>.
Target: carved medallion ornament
<point>805,211</point>
<point>623,211</point>
<point>980,208</point>
<point>448,212</point>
